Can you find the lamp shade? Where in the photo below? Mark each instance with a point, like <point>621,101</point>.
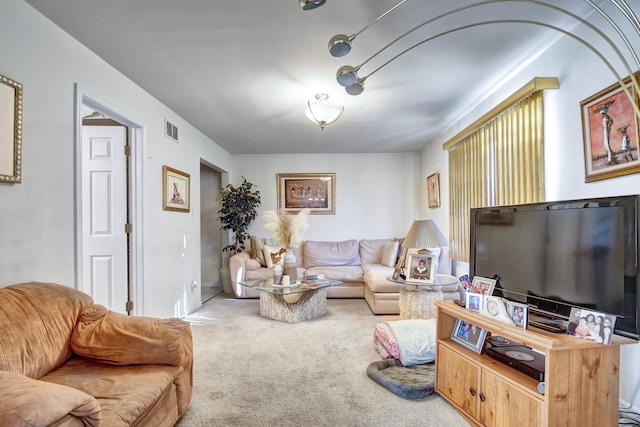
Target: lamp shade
<point>321,112</point>
<point>424,234</point>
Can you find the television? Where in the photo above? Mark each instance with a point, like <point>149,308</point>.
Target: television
<point>553,256</point>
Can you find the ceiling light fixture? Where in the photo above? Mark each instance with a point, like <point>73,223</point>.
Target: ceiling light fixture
<point>347,76</point>
<point>340,44</point>
<point>311,4</point>
<point>321,112</point>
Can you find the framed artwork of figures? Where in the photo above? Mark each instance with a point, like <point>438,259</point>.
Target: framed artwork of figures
<point>315,191</point>
<point>433,190</point>
<point>610,129</point>
<point>175,190</point>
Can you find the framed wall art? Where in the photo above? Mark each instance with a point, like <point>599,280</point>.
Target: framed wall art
<point>433,190</point>
<point>175,190</point>
<point>610,132</point>
<point>315,191</point>
<point>10,131</point>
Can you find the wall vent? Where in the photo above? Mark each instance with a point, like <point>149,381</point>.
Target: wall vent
<point>170,130</point>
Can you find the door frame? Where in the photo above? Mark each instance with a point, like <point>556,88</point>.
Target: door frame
<point>135,133</point>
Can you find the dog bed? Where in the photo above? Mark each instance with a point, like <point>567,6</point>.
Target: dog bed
<point>410,382</point>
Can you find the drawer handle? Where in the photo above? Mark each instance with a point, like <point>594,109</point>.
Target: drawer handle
<point>481,397</point>
<point>473,392</point>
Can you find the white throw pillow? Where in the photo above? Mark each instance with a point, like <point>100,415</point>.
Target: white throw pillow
<point>274,255</point>
<point>390,254</point>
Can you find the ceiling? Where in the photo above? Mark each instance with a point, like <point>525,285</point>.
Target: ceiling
<point>242,71</point>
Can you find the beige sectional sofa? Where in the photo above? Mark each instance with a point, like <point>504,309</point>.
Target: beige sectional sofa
<point>362,266</point>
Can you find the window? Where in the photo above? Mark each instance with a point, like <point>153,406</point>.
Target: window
<point>499,160</point>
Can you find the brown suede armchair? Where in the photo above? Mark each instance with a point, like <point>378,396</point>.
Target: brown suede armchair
<point>65,361</point>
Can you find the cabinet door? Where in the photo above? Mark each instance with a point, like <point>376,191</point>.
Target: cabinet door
<point>502,404</point>
<point>458,379</point>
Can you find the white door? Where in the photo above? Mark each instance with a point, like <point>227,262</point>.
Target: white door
<point>104,197</point>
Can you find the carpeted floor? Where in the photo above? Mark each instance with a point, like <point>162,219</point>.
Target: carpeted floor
<point>253,371</point>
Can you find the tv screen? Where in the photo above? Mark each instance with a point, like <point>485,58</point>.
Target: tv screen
<point>558,255</point>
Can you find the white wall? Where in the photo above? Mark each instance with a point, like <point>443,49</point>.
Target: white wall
<point>37,222</point>
<point>581,75</point>
<point>376,194</point>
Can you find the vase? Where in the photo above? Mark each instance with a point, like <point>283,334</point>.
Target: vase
<point>290,267</point>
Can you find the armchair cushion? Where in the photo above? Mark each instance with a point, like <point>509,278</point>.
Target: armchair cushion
<point>109,337</point>
<point>29,402</point>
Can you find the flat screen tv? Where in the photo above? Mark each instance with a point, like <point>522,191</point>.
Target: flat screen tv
<point>557,255</point>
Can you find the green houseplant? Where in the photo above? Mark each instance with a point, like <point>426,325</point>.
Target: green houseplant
<point>239,209</point>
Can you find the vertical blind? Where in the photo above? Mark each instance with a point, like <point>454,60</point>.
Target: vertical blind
<point>499,163</point>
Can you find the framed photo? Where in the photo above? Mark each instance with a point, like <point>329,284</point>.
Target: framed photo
<point>420,268</point>
<point>10,131</point>
<point>175,190</point>
<point>610,132</point>
<point>433,190</point>
<point>519,313</point>
<point>468,335</point>
<point>591,325</point>
<point>315,191</point>
<point>482,285</point>
<point>473,301</point>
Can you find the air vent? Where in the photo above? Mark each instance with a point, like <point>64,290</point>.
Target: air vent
<point>170,130</point>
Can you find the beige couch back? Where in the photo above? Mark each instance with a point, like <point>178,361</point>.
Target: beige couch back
<point>36,323</point>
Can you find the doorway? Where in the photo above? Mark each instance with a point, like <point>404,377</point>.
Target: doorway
<point>108,209</point>
<point>210,241</point>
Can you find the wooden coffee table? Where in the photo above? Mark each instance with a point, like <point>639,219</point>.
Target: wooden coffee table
<point>295,303</point>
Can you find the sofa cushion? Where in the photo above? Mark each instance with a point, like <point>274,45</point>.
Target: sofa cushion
<point>344,273</point>
<point>331,253</point>
<point>371,250</point>
<point>40,340</point>
<point>375,278</point>
<point>126,394</point>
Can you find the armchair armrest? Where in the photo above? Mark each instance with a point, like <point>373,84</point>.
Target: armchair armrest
<point>108,337</point>
<point>26,402</point>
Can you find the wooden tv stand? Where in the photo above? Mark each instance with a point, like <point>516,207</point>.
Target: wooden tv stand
<point>581,377</point>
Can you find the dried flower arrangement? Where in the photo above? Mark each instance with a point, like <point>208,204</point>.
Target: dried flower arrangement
<point>287,230</point>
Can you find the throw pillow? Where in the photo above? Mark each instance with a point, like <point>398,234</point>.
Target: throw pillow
<point>390,254</point>
<point>274,255</point>
<point>256,249</point>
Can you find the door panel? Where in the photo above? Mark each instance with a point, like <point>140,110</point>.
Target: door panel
<point>104,250</point>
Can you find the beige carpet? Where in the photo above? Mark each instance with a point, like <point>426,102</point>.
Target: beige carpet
<point>253,371</point>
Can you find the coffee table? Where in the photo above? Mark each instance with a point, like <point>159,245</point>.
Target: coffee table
<point>294,303</point>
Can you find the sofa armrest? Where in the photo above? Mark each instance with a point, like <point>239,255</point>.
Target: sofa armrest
<point>237,267</point>
<point>26,402</point>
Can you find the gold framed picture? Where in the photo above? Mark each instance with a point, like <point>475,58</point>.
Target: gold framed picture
<point>175,190</point>
<point>610,132</point>
<point>433,190</point>
<point>10,131</point>
<point>315,191</point>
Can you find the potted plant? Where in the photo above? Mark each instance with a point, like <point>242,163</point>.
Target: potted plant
<point>239,209</point>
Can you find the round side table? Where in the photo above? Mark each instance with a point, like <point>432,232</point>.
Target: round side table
<point>418,303</point>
